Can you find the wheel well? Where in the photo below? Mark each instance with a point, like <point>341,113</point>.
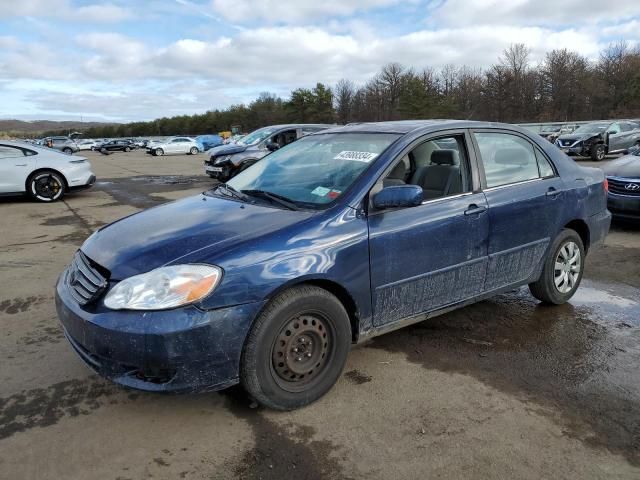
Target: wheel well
<point>64,179</point>
<point>339,292</point>
<point>582,229</point>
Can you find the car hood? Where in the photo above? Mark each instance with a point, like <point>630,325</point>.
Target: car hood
<point>164,234</point>
<point>627,166</point>
<point>229,149</point>
<point>577,136</point>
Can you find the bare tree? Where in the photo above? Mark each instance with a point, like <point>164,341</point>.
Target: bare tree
<point>344,93</point>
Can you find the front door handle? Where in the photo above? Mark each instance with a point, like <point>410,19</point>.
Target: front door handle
<point>552,192</point>
<point>21,164</point>
<point>475,209</point>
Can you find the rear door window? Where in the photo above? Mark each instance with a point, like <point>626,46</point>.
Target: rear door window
<point>508,159</point>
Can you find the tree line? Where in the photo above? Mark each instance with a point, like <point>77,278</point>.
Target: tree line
<point>564,86</point>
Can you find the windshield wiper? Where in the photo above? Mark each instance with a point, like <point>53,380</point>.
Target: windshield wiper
<point>274,197</point>
<point>232,191</point>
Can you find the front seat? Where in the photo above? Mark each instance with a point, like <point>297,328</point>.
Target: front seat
<point>441,177</point>
<point>396,176</point>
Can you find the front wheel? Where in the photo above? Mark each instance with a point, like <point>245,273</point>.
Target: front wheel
<point>67,150</point>
<point>158,152</point>
<point>562,270</point>
<point>598,152</point>
<point>296,348</point>
<point>127,149</point>
<point>46,186</point>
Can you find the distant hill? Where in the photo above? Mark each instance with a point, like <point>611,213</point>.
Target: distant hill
<point>35,127</point>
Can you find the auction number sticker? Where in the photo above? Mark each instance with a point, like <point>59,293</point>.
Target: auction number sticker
<point>357,156</point>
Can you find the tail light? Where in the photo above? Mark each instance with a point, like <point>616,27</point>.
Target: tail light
<point>606,185</point>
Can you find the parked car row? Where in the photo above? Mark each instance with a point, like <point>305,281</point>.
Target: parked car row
<point>598,139</point>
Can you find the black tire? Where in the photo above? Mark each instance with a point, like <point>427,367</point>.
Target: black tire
<point>194,151</point>
<point>310,321</point>
<point>46,186</point>
<point>598,152</point>
<point>67,150</point>
<point>127,149</point>
<point>545,288</point>
<point>158,152</point>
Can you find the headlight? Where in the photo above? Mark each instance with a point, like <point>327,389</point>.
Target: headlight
<point>164,287</point>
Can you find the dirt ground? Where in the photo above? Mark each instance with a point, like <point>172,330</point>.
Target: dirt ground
<point>506,388</point>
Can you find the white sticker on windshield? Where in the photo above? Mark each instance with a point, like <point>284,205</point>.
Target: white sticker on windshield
<point>321,191</point>
<point>357,156</point>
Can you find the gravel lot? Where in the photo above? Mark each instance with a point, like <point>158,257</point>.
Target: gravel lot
<point>505,388</point>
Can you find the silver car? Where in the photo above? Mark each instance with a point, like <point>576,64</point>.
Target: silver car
<point>42,173</point>
<point>64,144</point>
<point>174,146</point>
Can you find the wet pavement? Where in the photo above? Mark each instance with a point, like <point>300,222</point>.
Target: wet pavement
<point>505,388</point>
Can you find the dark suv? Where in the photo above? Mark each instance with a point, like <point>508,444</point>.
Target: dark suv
<point>226,161</point>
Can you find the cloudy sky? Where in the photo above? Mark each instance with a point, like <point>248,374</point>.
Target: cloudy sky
<point>126,60</point>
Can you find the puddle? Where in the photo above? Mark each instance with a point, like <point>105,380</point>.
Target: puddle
<point>579,361</point>
<point>611,303</point>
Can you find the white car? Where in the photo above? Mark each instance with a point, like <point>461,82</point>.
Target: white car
<point>43,173</point>
<point>175,145</point>
<point>86,144</point>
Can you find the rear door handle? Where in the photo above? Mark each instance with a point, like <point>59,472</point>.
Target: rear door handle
<point>21,164</point>
<point>475,209</point>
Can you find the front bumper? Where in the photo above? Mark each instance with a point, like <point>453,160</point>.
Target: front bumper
<point>221,171</point>
<point>181,350</point>
<point>84,185</point>
<point>623,206</point>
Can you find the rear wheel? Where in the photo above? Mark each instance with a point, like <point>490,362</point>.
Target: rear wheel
<point>562,270</point>
<point>159,152</point>
<point>67,150</point>
<point>296,348</point>
<point>127,149</point>
<point>46,186</point>
<point>193,151</point>
<point>598,152</point>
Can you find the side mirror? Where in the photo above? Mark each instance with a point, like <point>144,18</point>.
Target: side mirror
<point>614,132</point>
<point>399,196</point>
<point>271,145</point>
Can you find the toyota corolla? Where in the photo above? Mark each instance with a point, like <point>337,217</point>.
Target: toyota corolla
<point>336,238</point>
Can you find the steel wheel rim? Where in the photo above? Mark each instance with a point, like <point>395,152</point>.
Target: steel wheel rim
<point>301,351</point>
<point>46,187</point>
<point>567,266</point>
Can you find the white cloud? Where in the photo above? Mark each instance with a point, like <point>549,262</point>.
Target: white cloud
<point>532,12</point>
<point>277,11</point>
<point>102,12</point>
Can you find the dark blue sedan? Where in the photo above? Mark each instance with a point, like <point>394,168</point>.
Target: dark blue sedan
<point>341,236</point>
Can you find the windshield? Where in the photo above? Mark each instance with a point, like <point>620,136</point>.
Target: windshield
<point>592,128</point>
<point>257,136</point>
<point>314,170</point>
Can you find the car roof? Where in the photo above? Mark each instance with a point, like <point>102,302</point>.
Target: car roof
<point>27,145</point>
<point>408,126</point>
<point>298,125</point>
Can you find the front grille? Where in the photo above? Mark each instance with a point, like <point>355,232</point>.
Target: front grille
<point>620,186</point>
<point>566,143</point>
<point>85,282</point>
